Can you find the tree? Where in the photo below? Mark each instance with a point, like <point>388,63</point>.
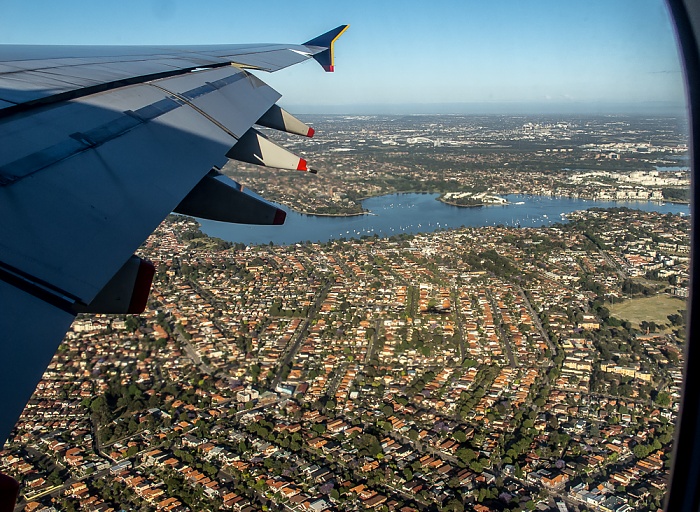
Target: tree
<point>368,444</point>
<point>469,363</point>
<point>675,319</point>
<point>131,323</point>
<point>55,477</point>
<point>554,422</point>
<point>454,505</point>
<point>134,391</point>
<point>466,455</point>
<point>210,469</point>
<point>459,436</point>
<point>641,451</point>
<point>518,472</point>
<point>99,406</point>
<point>663,399</point>
<point>476,466</point>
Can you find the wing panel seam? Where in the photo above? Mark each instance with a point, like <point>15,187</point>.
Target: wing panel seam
<point>185,99</point>
<point>94,89</point>
<point>82,141</point>
<point>37,288</point>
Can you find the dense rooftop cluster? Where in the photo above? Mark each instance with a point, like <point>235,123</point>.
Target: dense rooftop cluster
<point>474,369</point>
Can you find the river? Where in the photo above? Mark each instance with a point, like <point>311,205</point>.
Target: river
<point>418,213</point>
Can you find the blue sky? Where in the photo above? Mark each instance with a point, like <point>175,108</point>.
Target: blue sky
<point>438,55</point>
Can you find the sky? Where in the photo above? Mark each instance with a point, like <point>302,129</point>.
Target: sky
<point>408,56</point>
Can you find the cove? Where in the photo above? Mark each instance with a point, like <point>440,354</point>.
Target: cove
<point>420,213</point>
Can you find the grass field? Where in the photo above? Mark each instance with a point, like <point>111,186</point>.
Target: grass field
<point>652,309</point>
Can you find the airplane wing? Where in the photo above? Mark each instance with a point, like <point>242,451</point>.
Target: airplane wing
<point>99,144</point>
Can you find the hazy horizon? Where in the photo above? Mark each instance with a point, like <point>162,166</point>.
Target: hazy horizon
<point>494,108</point>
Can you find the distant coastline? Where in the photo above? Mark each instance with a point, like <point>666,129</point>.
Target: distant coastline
<point>443,200</point>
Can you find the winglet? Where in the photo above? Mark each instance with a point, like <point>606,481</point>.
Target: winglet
<point>325,58</point>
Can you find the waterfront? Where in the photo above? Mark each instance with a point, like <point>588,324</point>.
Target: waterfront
<point>419,213</point>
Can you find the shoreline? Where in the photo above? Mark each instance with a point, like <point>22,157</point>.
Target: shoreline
<point>413,214</point>
<point>444,201</point>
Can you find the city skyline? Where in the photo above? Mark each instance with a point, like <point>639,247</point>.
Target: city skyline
<point>463,58</point>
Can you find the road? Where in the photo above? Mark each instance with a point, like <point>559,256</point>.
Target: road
<point>297,342</point>
<point>373,342</point>
<point>504,336</point>
<point>458,319</point>
<point>194,355</point>
<point>536,319</point>
<point>621,273</point>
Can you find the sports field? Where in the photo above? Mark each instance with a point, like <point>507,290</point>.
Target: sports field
<point>652,309</point>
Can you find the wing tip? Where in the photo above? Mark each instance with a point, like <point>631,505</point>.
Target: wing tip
<point>326,57</point>
<point>326,39</point>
